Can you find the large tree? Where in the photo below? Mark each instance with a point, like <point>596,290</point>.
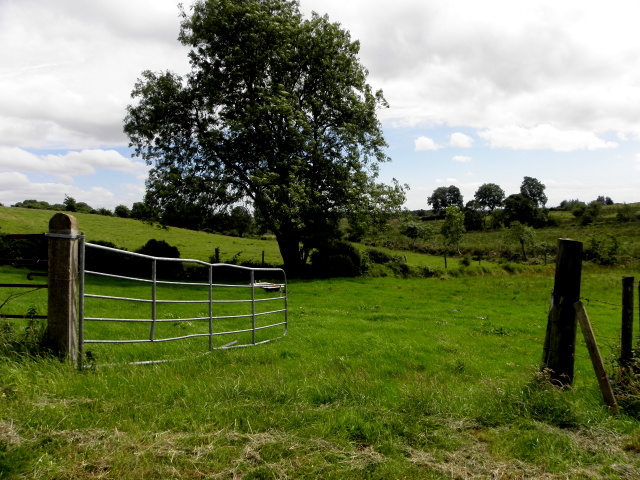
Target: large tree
<point>277,112</point>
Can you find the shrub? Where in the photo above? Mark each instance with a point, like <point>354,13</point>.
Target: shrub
<point>626,213</point>
<point>34,248</point>
<point>338,259</point>
<point>378,256</point>
<point>602,250</point>
<point>164,269</point>
<point>105,261</point>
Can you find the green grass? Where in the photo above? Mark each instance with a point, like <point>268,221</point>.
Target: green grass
<point>133,234</point>
<point>378,378</point>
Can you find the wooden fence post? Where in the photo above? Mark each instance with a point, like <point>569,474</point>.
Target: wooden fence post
<point>560,341</point>
<point>626,334</point>
<point>61,335</point>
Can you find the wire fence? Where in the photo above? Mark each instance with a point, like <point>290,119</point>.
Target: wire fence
<point>173,299</point>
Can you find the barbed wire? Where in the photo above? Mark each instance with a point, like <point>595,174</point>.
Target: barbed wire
<point>589,300</point>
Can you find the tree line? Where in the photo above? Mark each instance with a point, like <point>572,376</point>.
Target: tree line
<point>139,211</point>
<point>492,208</point>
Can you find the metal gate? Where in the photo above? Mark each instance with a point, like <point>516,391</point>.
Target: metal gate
<point>161,300</point>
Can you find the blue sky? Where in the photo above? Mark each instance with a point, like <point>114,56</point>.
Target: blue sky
<point>479,92</point>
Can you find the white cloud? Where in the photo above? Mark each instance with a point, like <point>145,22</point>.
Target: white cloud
<point>423,144</point>
<point>462,159</point>
<point>16,187</point>
<point>543,137</point>
<point>65,81</point>
<point>486,64</point>
<point>69,165</point>
<point>460,140</point>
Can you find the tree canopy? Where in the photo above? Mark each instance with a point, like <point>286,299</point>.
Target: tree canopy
<point>489,196</point>
<point>443,197</point>
<point>276,112</point>
<point>533,189</point>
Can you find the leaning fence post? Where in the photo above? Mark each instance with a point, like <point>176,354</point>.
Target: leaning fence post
<point>560,341</point>
<point>61,334</point>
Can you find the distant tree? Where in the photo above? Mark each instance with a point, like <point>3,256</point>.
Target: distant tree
<point>489,196</point>
<point>523,235</point>
<point>122,211</point>
<point>568,205</point>
<point>533,189</point>
<point>417,230</point>
<point>452,229</point>
<point>604,200</point>
<point>474,217</point>
<point>443,197</point>
<point>104,211</point>
<point>142,211</point>
<point>587,214</point>
<point>519,208</point>
<point>70,204</point>
<point>241,220</point>
<point>35,204</point>
<point>82,207</point>
<point>578,209</point>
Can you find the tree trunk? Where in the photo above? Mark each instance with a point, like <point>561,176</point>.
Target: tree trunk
<point>290,252</point>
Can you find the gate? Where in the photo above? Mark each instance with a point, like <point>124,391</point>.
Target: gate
<point>159,301</point>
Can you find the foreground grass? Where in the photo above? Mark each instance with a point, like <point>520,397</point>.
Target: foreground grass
<point>378,378</point>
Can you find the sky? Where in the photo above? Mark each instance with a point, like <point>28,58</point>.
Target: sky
<point>479,92</point>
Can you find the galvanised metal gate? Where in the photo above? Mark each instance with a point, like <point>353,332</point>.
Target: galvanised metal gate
<point>237,303</point>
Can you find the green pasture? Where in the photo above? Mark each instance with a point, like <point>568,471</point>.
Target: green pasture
<point>132,234</point>
<point>377,378</point>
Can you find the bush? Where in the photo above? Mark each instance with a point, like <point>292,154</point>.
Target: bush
<point>378,257</point>
<point>164,269</point>
<point>339,259</point>
<point>603,250</point>
<point>34,248</point>
<point>105,261</point>
<point>626,213</point>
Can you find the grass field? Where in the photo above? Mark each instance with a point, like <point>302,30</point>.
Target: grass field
<point>133,234</point>
<point>378,378</point>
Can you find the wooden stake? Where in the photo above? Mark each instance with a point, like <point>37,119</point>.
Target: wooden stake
<point>596,358</point>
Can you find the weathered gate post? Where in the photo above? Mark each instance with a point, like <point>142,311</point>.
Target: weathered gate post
<point>61,335</point>
<point>560,341</point>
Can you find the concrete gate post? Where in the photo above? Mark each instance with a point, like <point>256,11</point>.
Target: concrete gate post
<point>61,335</point>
